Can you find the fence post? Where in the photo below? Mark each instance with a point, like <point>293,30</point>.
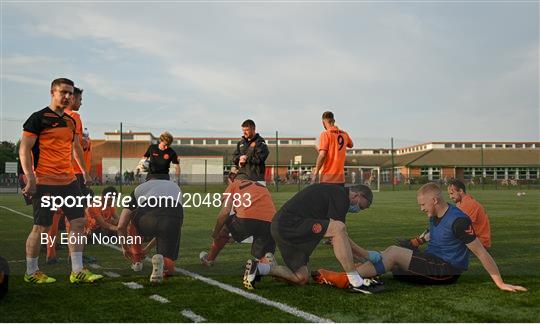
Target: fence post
<point>205,174</point>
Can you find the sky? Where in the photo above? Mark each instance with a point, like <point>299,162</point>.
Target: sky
<point>414,71</point>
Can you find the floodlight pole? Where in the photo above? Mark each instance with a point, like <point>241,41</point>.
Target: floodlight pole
<point>393,163</point>
<point>277,162</point>
<point>121,143</point>
<point>482,162</point>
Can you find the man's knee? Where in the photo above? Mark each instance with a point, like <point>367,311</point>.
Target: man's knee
<point>302,276</point>
<point>40,229</point>
<point>78,223</point>
<point>336,228</point>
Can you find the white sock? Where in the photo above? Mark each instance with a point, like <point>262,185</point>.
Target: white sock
<point>264,268</point>
<point>31,265</point>
<point>76,262</point>
<point>355,279</point>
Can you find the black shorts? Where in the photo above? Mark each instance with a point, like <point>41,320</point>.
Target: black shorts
<point>296,238</point>
<point>428,269</point>
<point>44,215</point>
<point>164,224</point>
<point>242,228</point>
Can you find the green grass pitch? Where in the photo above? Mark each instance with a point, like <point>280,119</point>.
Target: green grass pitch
<point>515,234</point>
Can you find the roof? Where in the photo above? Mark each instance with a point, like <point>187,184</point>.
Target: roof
<point>453,158</point>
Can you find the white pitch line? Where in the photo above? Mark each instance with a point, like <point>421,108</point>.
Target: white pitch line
<point>94,266</point>
<point>111,274</point>
<point>16,212</point>
<point>283,307</point>
<point>160,299</point>
<point>132,285</point>
<point>192,316</point>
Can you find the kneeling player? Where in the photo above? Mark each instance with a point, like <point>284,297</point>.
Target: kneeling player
<point>447,254</point>
<point>251,215</point>
<point>317,211</point>
<point>162,222</point>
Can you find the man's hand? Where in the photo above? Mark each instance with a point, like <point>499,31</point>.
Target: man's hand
<point>313,178</point>
<point>411,244</point>
<point>127,254</point>
<point>511,288</point>
<point>242,161</point>
<point>30,189</point>
<point>87,179</point>
<point>374,256</point>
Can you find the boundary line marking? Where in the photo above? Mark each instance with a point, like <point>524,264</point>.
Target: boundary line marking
<point>160,299</point>
<point>259,299</point>
<point>192,316</point>
<point>132,285</point>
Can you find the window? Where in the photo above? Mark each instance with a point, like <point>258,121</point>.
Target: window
<point>284,142</point>
<point>296,142</point>
<point>127,136</point>
<point>509,145</point>
<point>488,145</point>
<point>185,141</point>
<point>522,173</point>
<point>211,142</point>
<point>376,152</point>
<point>197,141</point>
<point>435,173</point>
<point>490,173</point>
<point>498,145</point>
<point>500,174</point>
<point>533,173</point>
<point>272,142</point>
<point>478,172</point>
<point>223,142</point>
<point>528,145</point>
<point>468,145</point>
<point>447,145</point>
<point>512,173</point>
<point>468,173</point>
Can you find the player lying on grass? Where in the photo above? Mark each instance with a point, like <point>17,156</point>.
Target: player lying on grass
<point>315,212</point>
<point>162,222</point>
<point>251,215</point>
<point>467,204</point>
<point>446,256</point>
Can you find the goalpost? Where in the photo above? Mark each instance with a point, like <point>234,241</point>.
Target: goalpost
<point>363,174</point>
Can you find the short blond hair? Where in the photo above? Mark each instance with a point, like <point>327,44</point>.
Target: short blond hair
<point>430,188</point>
<point>166,137</point>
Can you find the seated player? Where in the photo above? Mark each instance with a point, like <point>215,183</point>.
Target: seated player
<point>315,212</point>
<point>162,222</point>
<point>480,220</point>
<point>446,256</point>
<point>251,215</point>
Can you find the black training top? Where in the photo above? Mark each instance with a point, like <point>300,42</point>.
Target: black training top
<point>160,160</point>
<point>255,167</point>
<point>318,201</point>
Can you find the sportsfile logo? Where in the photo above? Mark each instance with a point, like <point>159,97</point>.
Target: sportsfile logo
<point>186,200</point>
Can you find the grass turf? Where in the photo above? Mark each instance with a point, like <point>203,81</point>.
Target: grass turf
<point>474,298</point>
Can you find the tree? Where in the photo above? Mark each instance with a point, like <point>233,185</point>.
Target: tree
<point>8,153</point>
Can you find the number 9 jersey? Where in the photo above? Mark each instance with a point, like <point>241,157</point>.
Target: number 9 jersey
<point>335,142</point>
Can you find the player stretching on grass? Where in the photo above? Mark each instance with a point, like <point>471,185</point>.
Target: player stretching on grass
<point>45,152</point>
<point>317,211</point>
<point>162,222</point>
<point>447,254</point>
<point>251,215</point>
<point>467,204</point>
